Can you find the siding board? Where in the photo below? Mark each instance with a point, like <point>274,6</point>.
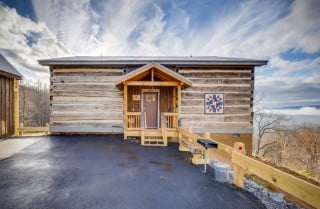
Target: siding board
<point>84,87</point>
<point>83,79</point>
<point>6,107</point>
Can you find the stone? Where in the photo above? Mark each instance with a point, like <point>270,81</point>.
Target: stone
<point>272,200</point>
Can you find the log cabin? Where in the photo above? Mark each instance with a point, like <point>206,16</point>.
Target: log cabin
<point>9,98</point>
<point>149,97</point>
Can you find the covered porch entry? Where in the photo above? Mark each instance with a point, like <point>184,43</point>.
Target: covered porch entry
<point>152,103</point>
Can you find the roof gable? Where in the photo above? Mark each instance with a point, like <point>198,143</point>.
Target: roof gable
<point>160,71</point>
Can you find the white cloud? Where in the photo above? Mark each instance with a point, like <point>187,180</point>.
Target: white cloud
<point>285,67</point>
<point>306,111</point>
<point>15,35</point>
<point>255,29</point>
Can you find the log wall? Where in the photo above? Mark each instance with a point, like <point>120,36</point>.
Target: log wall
<point>6,106</point>
<point>237,86</point>
<point>85,100</point>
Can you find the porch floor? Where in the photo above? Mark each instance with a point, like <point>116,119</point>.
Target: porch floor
<point>104,171</point>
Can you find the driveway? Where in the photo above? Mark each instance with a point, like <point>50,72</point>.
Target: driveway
<point>98,171</point>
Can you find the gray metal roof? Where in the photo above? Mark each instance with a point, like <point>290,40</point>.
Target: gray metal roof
<point>142,60</point>
<point>7,68</point>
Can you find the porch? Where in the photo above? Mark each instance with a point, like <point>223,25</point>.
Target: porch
<point>152,103</point>
<point>136,123</point>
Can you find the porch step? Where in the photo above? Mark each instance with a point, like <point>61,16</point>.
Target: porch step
<point>152,138</point>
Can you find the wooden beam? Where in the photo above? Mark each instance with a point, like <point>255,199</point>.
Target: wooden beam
<point>175,99</point>
<point>152,83</point>
<point>16,106</point>
<point>152,74</point>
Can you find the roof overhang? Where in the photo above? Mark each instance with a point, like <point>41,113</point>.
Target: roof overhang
<point>179,61</point>
<point>10,75</point>
<point>170,77</point>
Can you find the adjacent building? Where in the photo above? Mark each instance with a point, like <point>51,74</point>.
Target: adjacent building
<point>9,98</point>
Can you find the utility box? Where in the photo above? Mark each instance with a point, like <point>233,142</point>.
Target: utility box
<point>221,171</point>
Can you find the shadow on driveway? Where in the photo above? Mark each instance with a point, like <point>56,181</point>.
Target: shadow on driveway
<point>98,171</point>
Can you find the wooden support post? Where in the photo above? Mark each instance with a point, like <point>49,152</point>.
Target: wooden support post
<point>240,147</point>
<point>238,178</point>
<point>16,106</point>
<point>174,99</point>
<point>179,100</point>
<point>182,146</point>
<point>142,137</point>
<point>20,132</point>
<point>197,159</point>
<point>165,138</point>
<point>207,135</point>
<point>125,109</point>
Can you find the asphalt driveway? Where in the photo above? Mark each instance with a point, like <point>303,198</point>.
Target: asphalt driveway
<point>107,172</point>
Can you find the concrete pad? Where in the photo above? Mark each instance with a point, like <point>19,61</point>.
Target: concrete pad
<point>11,146</point>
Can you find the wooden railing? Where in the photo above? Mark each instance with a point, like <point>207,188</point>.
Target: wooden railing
<point>40,129</point>
<point>171,120</point>
<point>134,120</point>
<point>244,165</point>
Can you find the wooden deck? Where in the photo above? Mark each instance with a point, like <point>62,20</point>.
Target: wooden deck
<point>135,127</point>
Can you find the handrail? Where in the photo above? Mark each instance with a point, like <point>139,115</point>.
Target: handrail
<point>172,119</point>
<point>133,121</point>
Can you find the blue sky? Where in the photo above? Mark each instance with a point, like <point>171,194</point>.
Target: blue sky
<point>287,33</point>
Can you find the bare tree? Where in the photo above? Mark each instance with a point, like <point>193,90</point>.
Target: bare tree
<point>277,145</point>
<point>34,105</point>
<point>309,138</point>
<point>41,103</point>
<point>266,123</point>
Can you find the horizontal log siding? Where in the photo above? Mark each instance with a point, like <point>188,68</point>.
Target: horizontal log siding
<point>86,100</point>
<point>237,86</point>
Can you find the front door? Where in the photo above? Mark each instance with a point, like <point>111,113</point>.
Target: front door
<point>150,107</point>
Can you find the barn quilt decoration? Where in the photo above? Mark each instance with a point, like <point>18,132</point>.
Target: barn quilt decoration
<point>214,103</point>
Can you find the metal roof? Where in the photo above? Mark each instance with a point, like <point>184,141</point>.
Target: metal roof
<point>141,60</point>
<point>7,68</point>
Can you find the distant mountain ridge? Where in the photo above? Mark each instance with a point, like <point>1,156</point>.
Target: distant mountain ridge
<point>294,107</point>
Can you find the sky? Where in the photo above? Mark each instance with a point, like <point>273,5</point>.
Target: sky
<point>284,32</point>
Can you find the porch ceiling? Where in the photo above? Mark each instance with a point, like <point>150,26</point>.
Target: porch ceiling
<point>161,72</point>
